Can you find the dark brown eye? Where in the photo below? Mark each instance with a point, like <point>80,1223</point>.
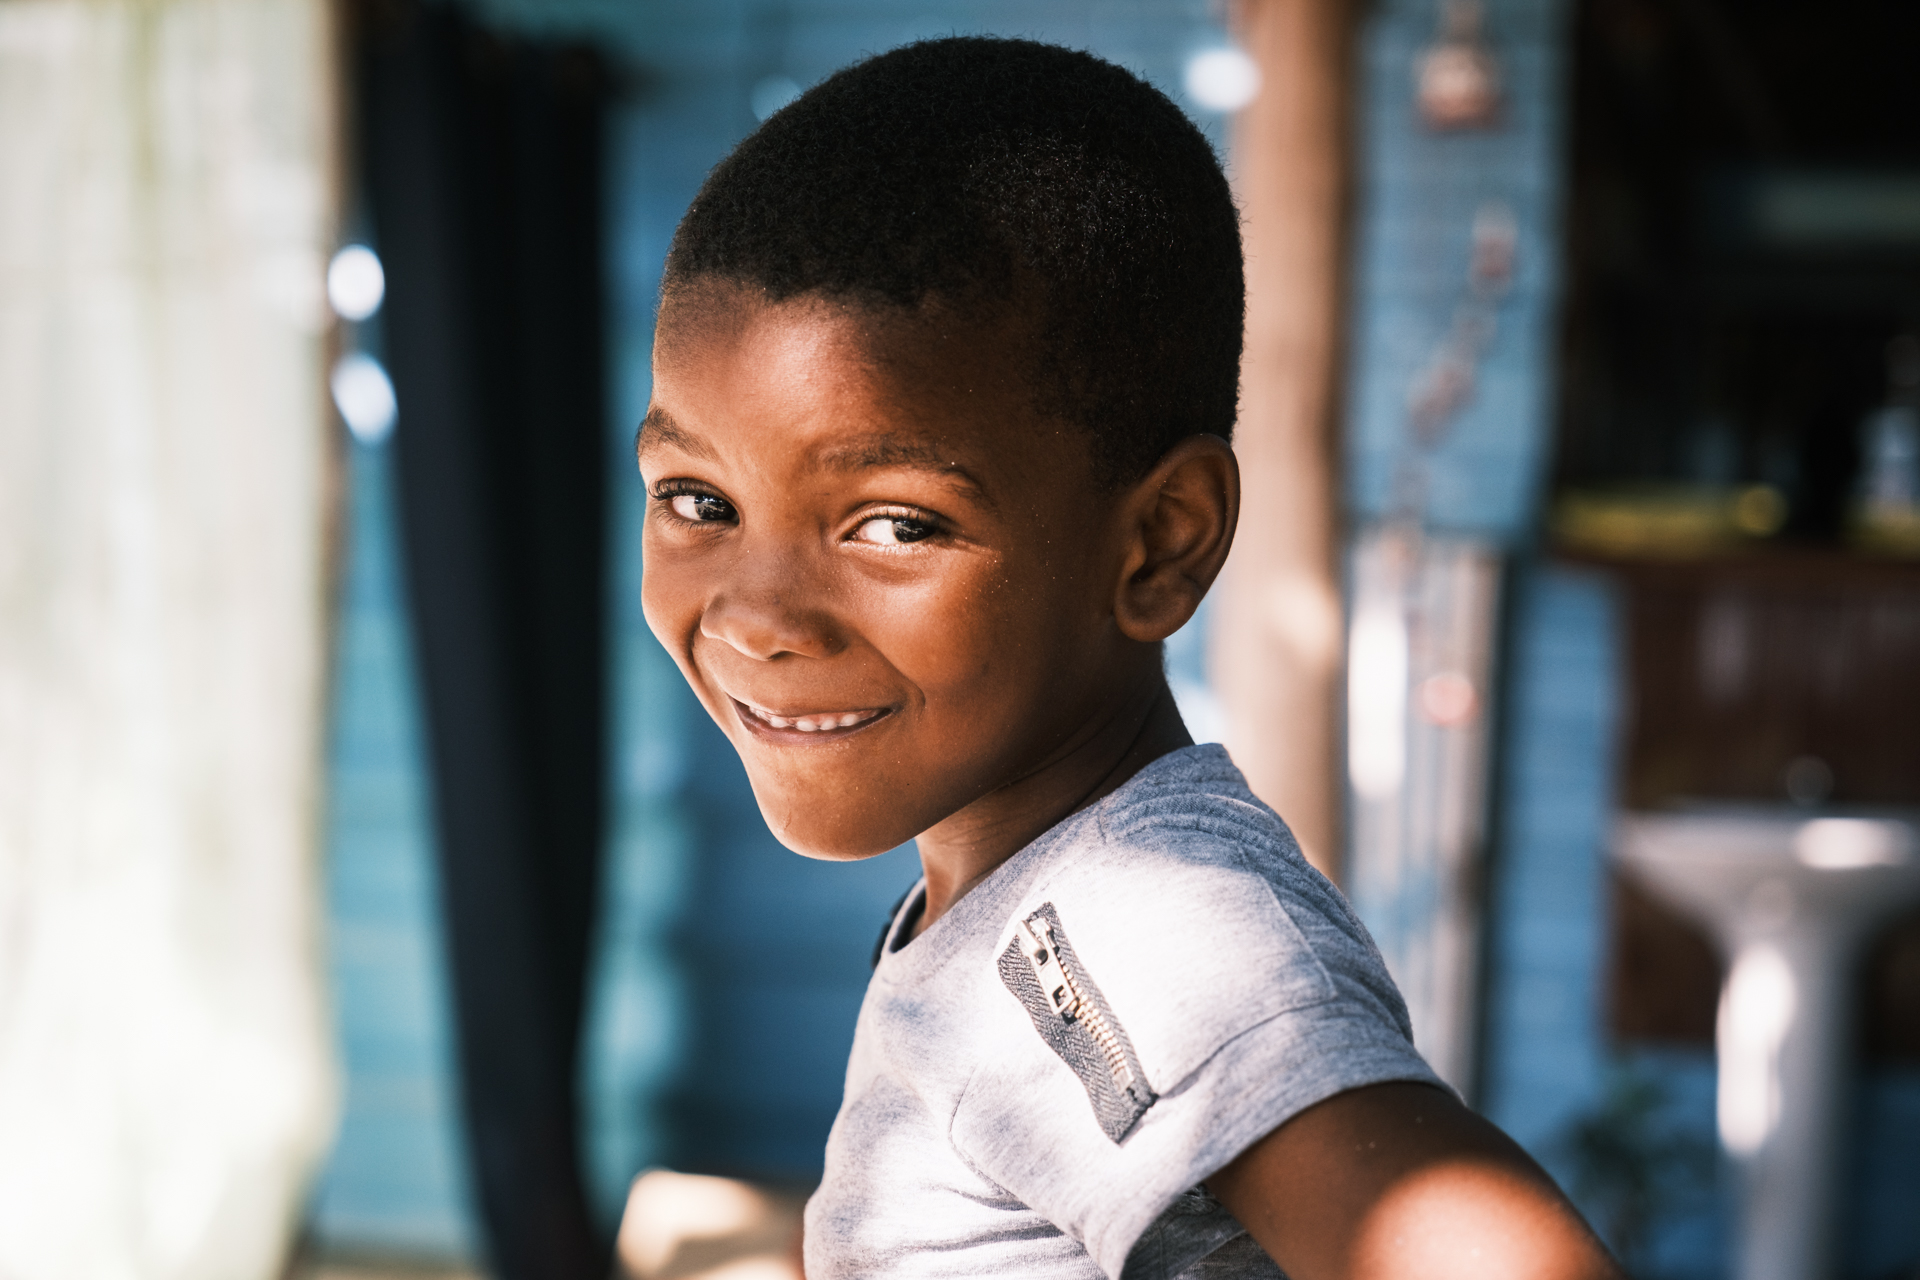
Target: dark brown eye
<point>891,530</point>
<point>700,506</point>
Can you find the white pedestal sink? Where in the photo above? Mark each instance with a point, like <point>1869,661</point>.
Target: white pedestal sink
<point>1792,895</point>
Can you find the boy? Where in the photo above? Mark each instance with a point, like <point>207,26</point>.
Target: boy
<point>946,365</point>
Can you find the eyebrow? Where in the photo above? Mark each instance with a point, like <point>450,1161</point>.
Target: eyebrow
<point>659,428</point>
<point>872,452</point>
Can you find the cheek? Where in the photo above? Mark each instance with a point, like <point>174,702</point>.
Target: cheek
<point>671,598</point>
<point>926,629</point>
<point>974,641</point>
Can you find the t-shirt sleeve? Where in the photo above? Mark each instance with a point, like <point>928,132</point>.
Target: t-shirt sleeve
<point>1167,1005</point>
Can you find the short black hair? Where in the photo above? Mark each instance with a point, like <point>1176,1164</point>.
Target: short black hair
<point>982,172</point>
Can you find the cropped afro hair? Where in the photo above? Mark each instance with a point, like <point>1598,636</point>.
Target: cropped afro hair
<point>990,173</point>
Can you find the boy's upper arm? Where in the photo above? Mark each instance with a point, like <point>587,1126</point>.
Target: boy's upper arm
<point>1402,1180</point>
<point>1237,999</point>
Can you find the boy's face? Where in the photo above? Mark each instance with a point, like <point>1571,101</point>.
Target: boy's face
<point>889,579</point>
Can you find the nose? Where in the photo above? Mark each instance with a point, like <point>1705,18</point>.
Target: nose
<point>774,611</point>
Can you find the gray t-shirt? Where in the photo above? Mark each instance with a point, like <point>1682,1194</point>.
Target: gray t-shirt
<point>1041,1081</point>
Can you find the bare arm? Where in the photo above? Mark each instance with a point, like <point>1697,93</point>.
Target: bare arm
<point>1402,1182</point>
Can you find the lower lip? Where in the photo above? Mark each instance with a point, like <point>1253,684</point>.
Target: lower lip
<point>761,729</point>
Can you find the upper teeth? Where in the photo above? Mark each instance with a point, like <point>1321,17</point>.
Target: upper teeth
<point>814,724</point>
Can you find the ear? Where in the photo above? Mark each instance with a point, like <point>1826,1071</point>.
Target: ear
<point>1179,526</point>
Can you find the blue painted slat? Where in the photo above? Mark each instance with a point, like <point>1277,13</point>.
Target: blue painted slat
<point>1544,1055</point>
<point>396,1179</point>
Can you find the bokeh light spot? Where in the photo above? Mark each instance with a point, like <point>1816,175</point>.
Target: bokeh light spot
<point>356,283</point>
<point>364,395</point>
<point>1222,79</point>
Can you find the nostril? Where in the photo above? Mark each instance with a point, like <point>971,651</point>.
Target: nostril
<point>769,629</point>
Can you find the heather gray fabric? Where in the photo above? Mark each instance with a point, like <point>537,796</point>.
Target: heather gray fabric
<point>1214,985</point>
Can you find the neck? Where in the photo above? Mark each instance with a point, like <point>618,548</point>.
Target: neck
<point>968,847</point>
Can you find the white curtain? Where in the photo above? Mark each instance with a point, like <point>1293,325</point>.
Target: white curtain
<point>165,1077</point>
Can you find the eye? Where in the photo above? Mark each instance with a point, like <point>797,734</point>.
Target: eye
<point>890,531</point>
<point>700,507</point>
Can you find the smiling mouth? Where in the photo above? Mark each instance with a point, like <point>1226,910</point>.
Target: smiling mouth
<point>811,722</point>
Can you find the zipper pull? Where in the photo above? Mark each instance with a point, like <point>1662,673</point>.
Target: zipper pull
<point>1036,943</point>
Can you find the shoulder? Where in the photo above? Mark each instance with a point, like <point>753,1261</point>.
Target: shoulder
<point>1188,903</point>
<point>1169,982</point>
<point>1187,852</point>
<point>1191,811</point>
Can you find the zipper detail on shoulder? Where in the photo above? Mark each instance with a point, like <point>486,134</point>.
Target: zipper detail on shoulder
<point>1071,1014</point>
<point>1068,1000</point>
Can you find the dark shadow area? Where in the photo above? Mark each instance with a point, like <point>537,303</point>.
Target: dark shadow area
<point>1743,241</point>
<point>481,164</point>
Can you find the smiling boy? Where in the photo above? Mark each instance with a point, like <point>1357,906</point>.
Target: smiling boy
<point>937,456</point>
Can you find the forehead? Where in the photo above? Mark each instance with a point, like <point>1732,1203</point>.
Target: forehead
<point>826,383</point>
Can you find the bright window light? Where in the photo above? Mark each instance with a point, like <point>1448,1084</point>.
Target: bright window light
<point>364,395</point>
<point>1377,661</point>
<point>356,284</point>
<point>1222,79</point>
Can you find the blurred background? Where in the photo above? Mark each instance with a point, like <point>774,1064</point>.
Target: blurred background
<point>375,901</point>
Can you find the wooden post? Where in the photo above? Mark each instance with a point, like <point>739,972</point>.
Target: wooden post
<point>1278,620</point>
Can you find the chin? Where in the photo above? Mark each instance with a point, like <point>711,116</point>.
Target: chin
<point>832,818</point>
<point>831,846</point>
<point>839,855</point>
<point>812,830</point>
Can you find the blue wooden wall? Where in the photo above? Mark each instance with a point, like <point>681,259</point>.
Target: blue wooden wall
<point>1417,193</point>
<point>1547,924</point>
<point>396,1179</point>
